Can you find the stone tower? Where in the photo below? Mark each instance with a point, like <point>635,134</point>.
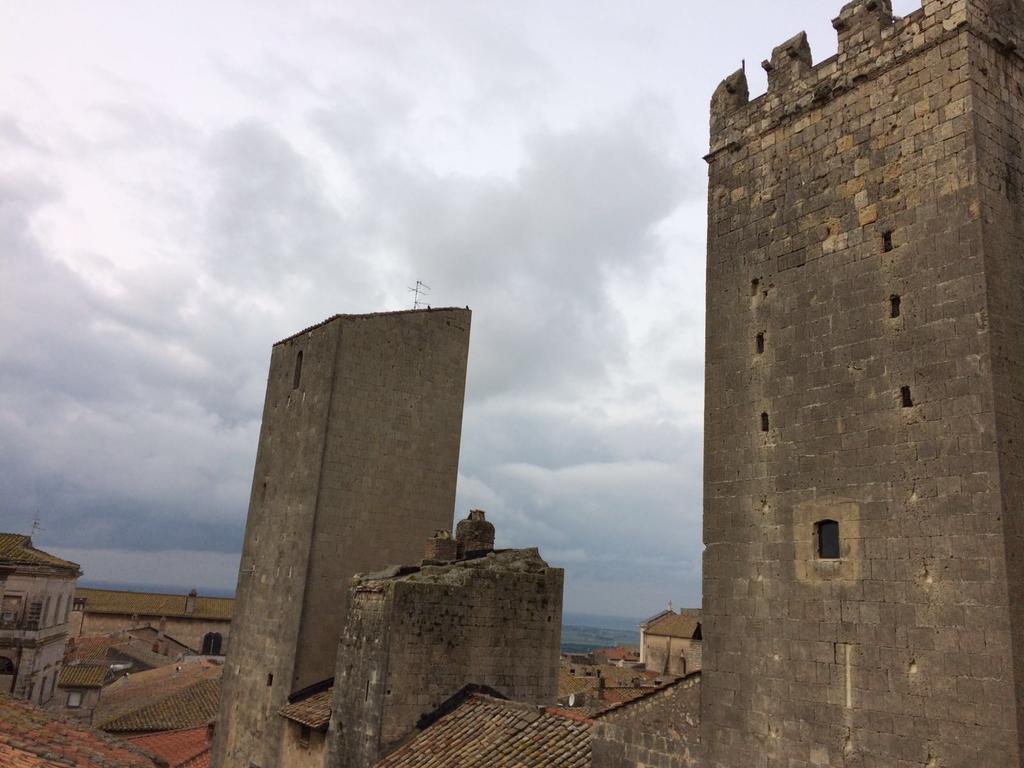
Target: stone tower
<point>356,467</point>
<point>863,487</point>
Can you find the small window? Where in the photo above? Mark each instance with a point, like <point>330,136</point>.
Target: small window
<point>894,305</point>
<point>754,285</point>
<point>74,699</point>
<point>887,241</point>
<point>6,666</point>
<point>828,539</point>
<point>304,731</point>
<point>905,398</point>
<point>759,343</point>
<point>297,377</point>
<point>270,678</point>
<point>764,422</point>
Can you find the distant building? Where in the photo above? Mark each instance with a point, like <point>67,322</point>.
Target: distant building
<point>35,599</point>
<point>200,623</point>
<point>33,738</point>
<point>672,644</point>
<point>308,715</point>
<point>620,656</point>
<point>78,690</point>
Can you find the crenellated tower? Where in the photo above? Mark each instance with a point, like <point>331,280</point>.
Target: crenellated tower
<point>864,416</point>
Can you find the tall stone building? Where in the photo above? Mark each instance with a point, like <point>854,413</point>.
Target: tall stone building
<point>356,467</point>
<point>864,481</point>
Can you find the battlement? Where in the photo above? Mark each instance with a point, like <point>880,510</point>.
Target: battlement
<point>871,40</point>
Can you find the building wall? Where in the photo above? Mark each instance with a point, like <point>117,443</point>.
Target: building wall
<point>356,467</point>
<point>661,730</point>
<point>412,643</point>
<point>887,170</point>
<point>187,631</point>
<point>36,650</point>
<point>90,698</point>
<point>672,655</point>
<point>295,754</point>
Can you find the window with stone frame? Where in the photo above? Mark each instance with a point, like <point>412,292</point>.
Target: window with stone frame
<point>74,699</point>
<point>827,535</point>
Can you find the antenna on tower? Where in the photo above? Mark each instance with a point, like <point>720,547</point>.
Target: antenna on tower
<point>420,289</point>
<point>36,525</point>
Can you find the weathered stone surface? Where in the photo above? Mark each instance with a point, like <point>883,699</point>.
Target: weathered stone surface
<point>356,468</point>
<point>864,295</point>
<point>416,638</point>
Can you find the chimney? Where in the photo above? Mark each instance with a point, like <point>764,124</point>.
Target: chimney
<point>190,603</point>
<point>474,535</point>
<point>600,686</point>
<point>441,546</point>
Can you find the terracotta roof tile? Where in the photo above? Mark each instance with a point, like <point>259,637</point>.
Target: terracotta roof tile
<point>497,734</point>
<point>83,676</point>
<point>674,625</point>
<point>153,604</point>
<point>178,748</point>
<point>17,549</point>
<point>32,738</point>
<point>145,689</point>
<point>193,706</point>
<point>314,711</point>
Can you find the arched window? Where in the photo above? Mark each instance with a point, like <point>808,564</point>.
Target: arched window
<point>827,534</point>
<point>6,666</point>
<point>211,644</point>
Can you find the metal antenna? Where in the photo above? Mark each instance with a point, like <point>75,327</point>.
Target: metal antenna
<point>421,289</point>
<point>36,525</point>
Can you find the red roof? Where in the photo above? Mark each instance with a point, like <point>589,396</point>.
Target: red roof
<point>32,738</point>
<point>178,748</point>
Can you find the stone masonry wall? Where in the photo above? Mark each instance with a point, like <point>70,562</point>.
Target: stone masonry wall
<point>356,465</point>
<point>414,641</point>
<point>660,730</point>
<point>864,319</point>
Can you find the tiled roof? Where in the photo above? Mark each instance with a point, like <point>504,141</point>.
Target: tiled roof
<point>32,738</point>
<point>332,318</point>
<point>314,711</point>
<point>153,604</point>
<point>569,683</point>
<point>200,761</point>
<point>178,748</point>
<point>188,708</point>
<point>674,625</point>
<point>114,648</point>
<point>17,549</point>
<point>144,689</point>
<point>497,734</point>
<point>83,676</point>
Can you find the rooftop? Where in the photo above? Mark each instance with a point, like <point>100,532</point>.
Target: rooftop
<point>190,707</point>
<point>313,711</point>
<point>458,571</point>
<point>147,698</point>
<point>17,549</point>
<point>32,738</point>
<point>179,748</point>
<point>497,734</point>
<point>675,625</point>
<point>332,318</point>
<point>154,604</point>
<point>83,676</point>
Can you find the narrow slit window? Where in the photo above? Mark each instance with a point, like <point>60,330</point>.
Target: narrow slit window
<point>270,678</point>
<point>764,422</point>
<point>887,241</point>
<point>297,378</point>
<point>905,398</point>
<point>828,539</point>
<point>754,285</point>
<point>759,343</point>
<point>895,305</point>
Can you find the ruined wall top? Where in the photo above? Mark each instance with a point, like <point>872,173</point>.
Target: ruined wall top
<point>871,40</point>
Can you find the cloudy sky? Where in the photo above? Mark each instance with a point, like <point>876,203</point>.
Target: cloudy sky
<point>182,184</point>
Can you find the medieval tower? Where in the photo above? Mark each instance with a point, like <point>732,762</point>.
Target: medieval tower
<point>356,468</point>
<point>863,522</point>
